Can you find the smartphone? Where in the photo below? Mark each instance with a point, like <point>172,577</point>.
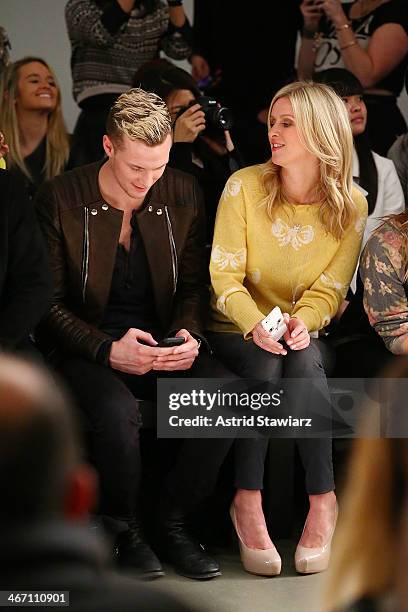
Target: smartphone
<point>174,341</point>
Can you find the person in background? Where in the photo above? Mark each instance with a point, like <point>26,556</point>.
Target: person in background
<point>200,147</point>
<point>370,39</point>
<point>32,122</point>
<point>110,40</point>
<point>370,549</point>
<point>399,155</point>
<point>375,174</point>
<point>25,279</point>
<point>47,494</point>
<point>230,47</point>
<point>287,234</point>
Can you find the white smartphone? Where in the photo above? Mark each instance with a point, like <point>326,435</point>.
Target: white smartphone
<point>274,323</point>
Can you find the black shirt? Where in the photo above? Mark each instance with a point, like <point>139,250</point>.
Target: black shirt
<point>131,301</point>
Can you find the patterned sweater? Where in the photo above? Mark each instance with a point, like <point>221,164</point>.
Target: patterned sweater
<point>382,270</point>
<point>290,262</point>
<point>109,45</point>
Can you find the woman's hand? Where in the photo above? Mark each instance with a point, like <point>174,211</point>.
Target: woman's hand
<point>200,68</point>
<point>188,126</point>
<point>334,11</point>
<point>311,14</point>
<point>296,337</point>
<point>264,340</point>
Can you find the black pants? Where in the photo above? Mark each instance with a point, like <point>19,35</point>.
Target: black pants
<point>89,130</point>
<point>247,360</point>
<point>109,410</point>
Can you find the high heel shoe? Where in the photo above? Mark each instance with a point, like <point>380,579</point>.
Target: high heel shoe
<point>256,560</point>
<point>314,560</point>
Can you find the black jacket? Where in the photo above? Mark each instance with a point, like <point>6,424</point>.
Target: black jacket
<point>58,556</point>
<point>25,279</point>
<point>82,232</point>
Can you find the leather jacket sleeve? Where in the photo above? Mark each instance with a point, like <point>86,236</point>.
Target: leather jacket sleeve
<point>60,328</point>
<point>191,304</point>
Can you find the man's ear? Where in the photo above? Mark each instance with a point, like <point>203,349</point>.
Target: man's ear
<point>107,145</point>
<point>81,493</point>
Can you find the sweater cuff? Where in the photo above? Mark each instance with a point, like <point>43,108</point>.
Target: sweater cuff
<point>113,18</point>
<point>185,31</point>
<point>308,317</point>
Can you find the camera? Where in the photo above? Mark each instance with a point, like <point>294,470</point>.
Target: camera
<point>216,116</point>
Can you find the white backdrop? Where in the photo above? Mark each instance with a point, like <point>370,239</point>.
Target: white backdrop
<point>37,27</point>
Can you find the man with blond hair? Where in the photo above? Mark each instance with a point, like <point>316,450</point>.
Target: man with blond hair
<point>127,244</point>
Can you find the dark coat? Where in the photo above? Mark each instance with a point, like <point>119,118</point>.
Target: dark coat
<point>58,556</point>
<point>83,231</point>
<point>25,279</point>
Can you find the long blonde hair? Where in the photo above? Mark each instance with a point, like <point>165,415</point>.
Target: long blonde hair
<point>366,545</point>
<point>324,130</point>
<point>57,141</point>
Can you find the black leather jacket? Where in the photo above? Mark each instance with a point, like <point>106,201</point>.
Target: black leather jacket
<point>82,232</point>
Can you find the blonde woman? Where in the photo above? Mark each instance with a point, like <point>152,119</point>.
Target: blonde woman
<point>287,234</point>
<point>368,570</point>
<point>32,122</point>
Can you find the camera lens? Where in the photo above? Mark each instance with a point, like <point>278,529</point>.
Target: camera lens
<point>224,118</point>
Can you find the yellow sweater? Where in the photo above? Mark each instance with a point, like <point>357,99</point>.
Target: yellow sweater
<point>290,262</point>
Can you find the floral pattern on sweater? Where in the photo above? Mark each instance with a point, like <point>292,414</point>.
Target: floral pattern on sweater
<point>382,271</point>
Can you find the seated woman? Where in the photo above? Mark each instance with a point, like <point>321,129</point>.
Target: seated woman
<point>32,122</point>
<point>384,271</point>
<point>374,327</point>
<point>287,234</point>
<point>204,150</point>
<point>375,174</point>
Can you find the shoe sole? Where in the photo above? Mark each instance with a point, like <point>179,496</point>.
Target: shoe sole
<point>208,576</point>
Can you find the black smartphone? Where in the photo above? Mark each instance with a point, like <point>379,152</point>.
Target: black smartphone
<point>174,341</point>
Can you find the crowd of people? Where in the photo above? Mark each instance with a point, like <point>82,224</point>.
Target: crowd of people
<point>153,241</point>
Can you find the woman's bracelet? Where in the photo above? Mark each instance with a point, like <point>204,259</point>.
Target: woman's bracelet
<point>350,44</point>
<point>345,26</point>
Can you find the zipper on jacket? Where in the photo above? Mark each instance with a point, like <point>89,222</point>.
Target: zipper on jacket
<point>85,253</point>
<point>172,250</point>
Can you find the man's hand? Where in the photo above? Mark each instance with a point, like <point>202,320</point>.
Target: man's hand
<point>296,337</point>
<point>200,68</point>
<point>182,357</point>
<point>130,356</point>
<point>188,126</point>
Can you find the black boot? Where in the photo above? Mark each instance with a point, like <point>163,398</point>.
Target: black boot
<point>135,553</point>
<point>187,556</point>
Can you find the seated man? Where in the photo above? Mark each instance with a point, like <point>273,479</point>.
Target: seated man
<point>25,286</point>
<point>46,495</point>
<point>126,238</point>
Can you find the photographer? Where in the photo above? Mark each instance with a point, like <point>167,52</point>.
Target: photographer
<point>201,144</point>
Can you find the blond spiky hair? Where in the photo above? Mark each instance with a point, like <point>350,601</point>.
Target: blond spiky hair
<point>139,115</point>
